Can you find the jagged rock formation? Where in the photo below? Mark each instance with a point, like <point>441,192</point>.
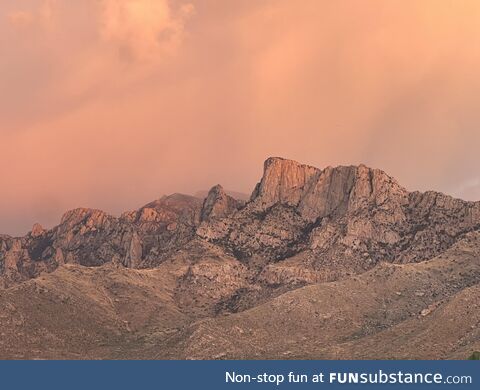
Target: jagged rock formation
<point>336,258</point>
<point>336,221</point>
<point>218,204</point>
<point>301,225</point>
<point>234,194</point>
<point>137,239</point>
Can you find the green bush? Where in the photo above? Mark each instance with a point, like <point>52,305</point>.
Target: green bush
<point>475,356</point>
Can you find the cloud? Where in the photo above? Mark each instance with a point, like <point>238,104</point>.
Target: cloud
<point>40,16</point>
<point>110,104</point>
<point>20,18</point>
<point>142,29</point>
<point>70,54</point>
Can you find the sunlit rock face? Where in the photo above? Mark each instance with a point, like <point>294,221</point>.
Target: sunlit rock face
<point>218,204</point>
<point>335,221</point>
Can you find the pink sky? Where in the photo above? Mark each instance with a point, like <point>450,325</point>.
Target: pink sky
<point>112,103</point>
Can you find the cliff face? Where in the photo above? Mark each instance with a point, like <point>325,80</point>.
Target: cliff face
<point>335,221</point>
<point>218,204</point>
<point>319,193</point>
<point>301,224</point>
<point>283,181</point>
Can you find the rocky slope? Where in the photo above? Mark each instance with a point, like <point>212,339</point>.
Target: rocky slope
<point>427,310</point>
<point>212,277</point>
<point>137,239</point>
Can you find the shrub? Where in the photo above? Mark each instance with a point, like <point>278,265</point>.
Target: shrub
<point>475,356</point>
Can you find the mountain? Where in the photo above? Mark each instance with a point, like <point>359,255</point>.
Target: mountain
<point>234,194</point>
<point>318,263</point>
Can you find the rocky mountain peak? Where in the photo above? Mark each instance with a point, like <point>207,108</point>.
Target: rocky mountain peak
<point>218,204</point>
<point>283,181</point>
<point>316,193</point>
<point>37,230</point>
<point>90,217</point>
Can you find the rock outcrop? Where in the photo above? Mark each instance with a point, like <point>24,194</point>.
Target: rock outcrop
<point>37,230</point>
<point>139,239</point>
<point>319,193</point>
<point>284,181</point>
<point>336,221</point>
<point>218,204</point>
<point>301,224</point>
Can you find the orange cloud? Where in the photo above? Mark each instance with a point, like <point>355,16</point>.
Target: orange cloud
<point>110,104</point>
<point>20,18</point>
<point>143,28</point>
<point>41,15</point>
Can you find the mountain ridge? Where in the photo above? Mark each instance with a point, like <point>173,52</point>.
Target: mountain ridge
<point>318,263</point>
<point>294,208</point>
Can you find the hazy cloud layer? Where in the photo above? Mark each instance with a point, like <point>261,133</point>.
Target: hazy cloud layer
<point>110,104</point>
